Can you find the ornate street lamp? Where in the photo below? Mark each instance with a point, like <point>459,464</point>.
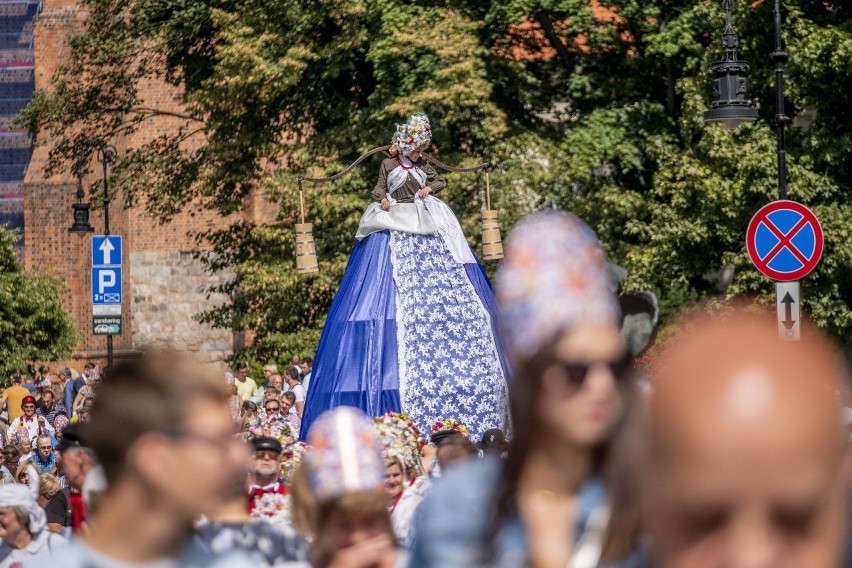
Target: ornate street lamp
<point>81,226</point>
<point>730,107</point>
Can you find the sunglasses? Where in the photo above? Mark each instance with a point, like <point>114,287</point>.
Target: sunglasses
<point>576,373</point>
<point>266,455</point>
<point>273,408</point>
<point>45,447</point>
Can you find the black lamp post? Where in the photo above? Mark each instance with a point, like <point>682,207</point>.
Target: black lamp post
<point>81,225</point>
<point>730,106</point>
<point>106,156</point>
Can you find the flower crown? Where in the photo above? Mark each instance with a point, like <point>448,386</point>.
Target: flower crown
<point>449,424</point>
<point>414,133</point>
<point>290,460</point>
<point>401,439</point>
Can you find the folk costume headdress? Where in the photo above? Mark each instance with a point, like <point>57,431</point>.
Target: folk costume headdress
<point>554,274</point>
<point>402,441</point>
<point>414,133</point>
<point>344,454</point>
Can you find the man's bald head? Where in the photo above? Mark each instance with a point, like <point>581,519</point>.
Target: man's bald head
<point>746,447</point>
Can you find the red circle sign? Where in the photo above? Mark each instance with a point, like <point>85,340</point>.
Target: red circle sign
<point>784,240</point>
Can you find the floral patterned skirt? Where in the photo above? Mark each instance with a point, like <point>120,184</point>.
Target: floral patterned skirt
<point>412,330</point>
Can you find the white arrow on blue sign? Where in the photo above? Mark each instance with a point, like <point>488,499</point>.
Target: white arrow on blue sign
<point>106,250</point>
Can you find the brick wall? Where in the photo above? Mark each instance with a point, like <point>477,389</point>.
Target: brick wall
<point>163,285</point>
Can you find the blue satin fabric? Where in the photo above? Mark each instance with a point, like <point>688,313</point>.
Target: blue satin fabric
<point>356,361</point>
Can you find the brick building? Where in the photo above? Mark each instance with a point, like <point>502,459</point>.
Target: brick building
<point>163,286</point>
<point>16,89</point>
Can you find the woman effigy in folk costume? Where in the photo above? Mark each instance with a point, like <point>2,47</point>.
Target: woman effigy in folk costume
<point>411,328</point>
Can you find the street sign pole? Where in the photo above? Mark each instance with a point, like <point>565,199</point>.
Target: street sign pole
<point>784,241</point>
<point>106,287</point>
<point>787,308</point>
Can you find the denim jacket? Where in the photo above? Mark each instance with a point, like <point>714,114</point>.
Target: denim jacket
<point>450,525</point>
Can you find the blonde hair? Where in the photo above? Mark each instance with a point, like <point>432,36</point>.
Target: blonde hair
<point>48,485</point>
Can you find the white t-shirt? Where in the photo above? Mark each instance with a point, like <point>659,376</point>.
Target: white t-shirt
<point>299,391</point>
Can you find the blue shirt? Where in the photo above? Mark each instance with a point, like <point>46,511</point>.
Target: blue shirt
<point>451,525</point>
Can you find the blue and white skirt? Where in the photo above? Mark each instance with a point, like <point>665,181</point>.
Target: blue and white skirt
<point>412,328</point>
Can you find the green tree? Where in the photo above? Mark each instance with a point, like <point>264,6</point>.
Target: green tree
<point>34,325</point>
<point>592,106</point>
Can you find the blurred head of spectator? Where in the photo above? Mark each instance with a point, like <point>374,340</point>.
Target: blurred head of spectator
<point>288,399</point>
<point>291,375</point>
<point>276,381</point>
<point>11,455</point>
<point>269,370</point>
<point>493,442</point>
<point>162,432</point>
<point>48,487</point>
<point>454,449</point>
<point>746,460</point>
<point>338,495</point>
<point>306,365</point>
<point>22,521</point>
<point>77,459</point>
<point>242,372</point>
<point>265,461</point>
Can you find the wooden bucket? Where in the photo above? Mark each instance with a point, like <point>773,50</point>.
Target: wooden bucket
<point>492,243</point>
<point>306,253</point>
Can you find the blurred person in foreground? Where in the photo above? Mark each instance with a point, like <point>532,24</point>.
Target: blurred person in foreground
<point>745,448</point>
<point>231,528</point>
<point>23,527</point>
<point>76,462</point>
<point>163,435</point>
<point>548,504</point>
<point>339,501</point>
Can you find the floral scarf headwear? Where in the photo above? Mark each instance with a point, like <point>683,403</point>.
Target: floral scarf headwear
<point>553,275</point>
<point>60,421</point>
<point>401,439</point>
<point>414,133</point>
<point>344,454</point>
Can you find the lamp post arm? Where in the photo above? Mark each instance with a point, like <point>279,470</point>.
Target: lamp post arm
<point>781,119</point>
<point>366,155</point>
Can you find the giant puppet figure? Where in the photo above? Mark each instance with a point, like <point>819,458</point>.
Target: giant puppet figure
<point>412,326</point>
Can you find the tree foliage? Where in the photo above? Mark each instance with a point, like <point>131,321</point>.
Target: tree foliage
<point>34,325</point>
<point>590,105</point>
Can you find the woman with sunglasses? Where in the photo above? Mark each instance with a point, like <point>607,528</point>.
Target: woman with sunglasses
<point>549,504</point>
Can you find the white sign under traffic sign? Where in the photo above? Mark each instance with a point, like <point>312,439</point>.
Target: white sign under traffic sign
<point>787,308</point>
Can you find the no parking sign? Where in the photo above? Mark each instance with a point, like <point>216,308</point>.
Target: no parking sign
<point>784,240</point>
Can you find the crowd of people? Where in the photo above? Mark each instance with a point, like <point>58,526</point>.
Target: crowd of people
<point>734,452</point>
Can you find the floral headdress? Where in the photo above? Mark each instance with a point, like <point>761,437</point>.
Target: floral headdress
<point>290,460</point>
<point>345,454</point>
<point>401,439</point>
<point>275,426</point>
<point>414,133</point>
<point>450,425</point>
<point>554,275</point>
